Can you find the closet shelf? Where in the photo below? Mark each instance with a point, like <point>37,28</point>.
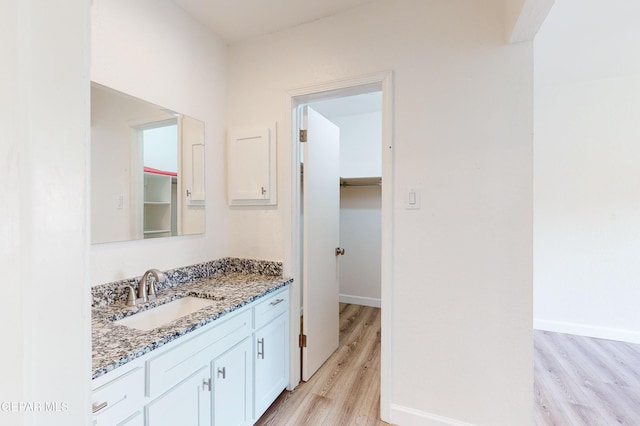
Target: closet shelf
<point>361,181</point>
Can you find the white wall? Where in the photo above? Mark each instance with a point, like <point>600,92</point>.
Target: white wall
<point>44,237</point>
<point>360,214</point>
<point>153,50</point>
<point>360,144</point>
<point>361,237</point>
<point>587,179</point>
<point>461,314</point>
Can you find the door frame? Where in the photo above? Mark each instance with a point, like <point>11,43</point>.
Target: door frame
<point>381,81</point>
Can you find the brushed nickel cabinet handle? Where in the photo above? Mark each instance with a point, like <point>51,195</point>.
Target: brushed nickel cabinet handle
<point>207,383</point>
<point>261,348</point>
<point>97,407</point>
<point>222,371</point>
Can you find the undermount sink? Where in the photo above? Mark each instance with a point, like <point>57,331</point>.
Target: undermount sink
<point>164,314</point>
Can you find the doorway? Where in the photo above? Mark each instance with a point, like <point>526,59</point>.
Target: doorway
<point>359,119</point>
<point>317,96</point>
<point>341,171</point>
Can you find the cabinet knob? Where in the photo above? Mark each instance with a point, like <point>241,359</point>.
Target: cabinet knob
<point>339,251</point>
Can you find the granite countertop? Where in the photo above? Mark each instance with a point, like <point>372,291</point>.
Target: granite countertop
<point>115,345</point>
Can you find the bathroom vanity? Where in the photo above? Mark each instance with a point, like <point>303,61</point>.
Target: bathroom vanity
<point>222,364</point>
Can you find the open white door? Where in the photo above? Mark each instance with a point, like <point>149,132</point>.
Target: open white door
<point>321,237</point>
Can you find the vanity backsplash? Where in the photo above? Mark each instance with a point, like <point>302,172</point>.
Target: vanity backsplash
<point>109,293</point>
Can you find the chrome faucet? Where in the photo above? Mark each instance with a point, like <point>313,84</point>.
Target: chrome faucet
<point>147,292</point>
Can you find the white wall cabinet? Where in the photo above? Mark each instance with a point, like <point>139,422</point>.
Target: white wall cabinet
<point>251,166</point>
<point>213,376</point>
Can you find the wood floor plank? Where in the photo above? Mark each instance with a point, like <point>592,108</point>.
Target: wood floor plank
<point>578,381</point>
<point>582,381</point>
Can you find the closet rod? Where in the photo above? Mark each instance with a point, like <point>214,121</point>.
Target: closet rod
<point>361,184</point>
<point>375,181</point>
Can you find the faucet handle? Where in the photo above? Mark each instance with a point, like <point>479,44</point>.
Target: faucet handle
<point>131,298</point>
<point>151,292</point>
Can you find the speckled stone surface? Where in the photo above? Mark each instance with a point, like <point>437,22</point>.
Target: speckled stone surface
<point>107,294</point>
<point>232,283</point>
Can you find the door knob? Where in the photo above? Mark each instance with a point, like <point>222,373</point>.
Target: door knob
<point>339,251</point>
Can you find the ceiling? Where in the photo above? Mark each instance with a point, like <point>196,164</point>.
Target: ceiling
<point>358,104</point>
<point>236,20</point>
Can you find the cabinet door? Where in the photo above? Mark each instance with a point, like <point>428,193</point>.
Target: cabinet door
<point>187,403</point>
<point>272,363</point>
<point>232,386</point>
<point>135,420</point>
<point>251,166</point>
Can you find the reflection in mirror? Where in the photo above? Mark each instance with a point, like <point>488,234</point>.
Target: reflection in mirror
<point>147,169</point>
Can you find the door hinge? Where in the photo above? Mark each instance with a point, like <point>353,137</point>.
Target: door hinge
<point>302,341</point>
<point>303,135</point>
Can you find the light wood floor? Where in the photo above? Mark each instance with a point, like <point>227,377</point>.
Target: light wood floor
<point>578,381</point>
<point>346,389</point>
<point>585,381</point>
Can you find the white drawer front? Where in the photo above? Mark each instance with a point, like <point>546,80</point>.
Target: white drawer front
<point>118,399</point>
<point>271,307</point>
<point>172,366</point>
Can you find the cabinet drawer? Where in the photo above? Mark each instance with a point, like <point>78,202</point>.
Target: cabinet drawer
<point>271,307</point>
<point>116,401</point>
<point>172,366</point>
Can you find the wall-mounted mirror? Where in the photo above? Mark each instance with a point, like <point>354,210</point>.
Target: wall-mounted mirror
<point>147,169</point>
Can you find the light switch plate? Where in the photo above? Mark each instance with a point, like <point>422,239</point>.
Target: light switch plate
<point>412,198</point>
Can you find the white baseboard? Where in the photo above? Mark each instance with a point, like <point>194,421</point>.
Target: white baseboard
<point>619,334</point>
<point>358,300</point>
<point>408,416</point>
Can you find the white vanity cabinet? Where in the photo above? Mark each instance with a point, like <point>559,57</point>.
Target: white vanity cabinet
<point>272,355</point>
<point>226,373</point>
<point>191,400</point>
